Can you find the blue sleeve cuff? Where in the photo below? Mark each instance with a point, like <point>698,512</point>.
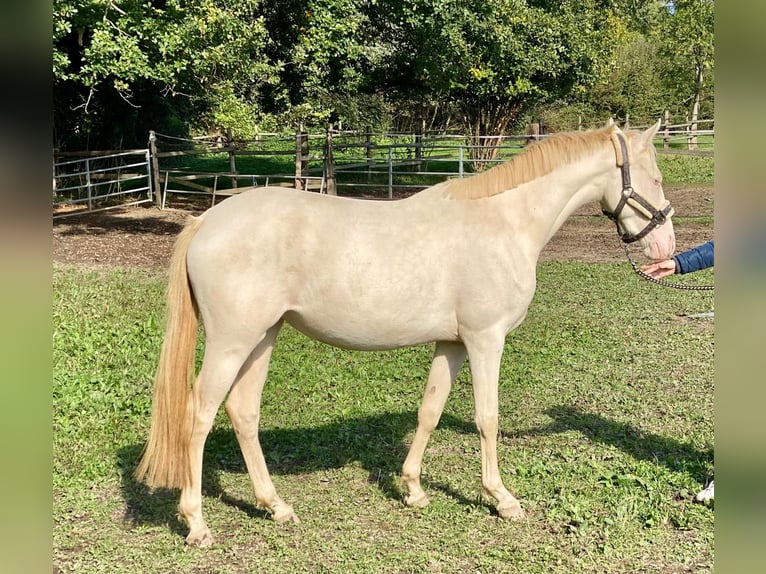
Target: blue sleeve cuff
<point>700,257</point>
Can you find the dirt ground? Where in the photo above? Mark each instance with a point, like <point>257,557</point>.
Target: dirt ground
<point>142,236</point>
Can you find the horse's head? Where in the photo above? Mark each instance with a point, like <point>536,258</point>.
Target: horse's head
<point>636,201</point>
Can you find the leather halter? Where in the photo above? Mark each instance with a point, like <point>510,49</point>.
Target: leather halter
<point>630,197</point>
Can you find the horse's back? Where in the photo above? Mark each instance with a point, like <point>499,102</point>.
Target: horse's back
<point>273,224</point>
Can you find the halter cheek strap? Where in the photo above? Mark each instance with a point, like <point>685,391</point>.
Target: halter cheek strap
<point>630,197</point>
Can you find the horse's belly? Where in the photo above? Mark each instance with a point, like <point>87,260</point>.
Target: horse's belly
<point>370,333</point>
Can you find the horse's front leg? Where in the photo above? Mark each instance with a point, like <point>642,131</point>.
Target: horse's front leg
<point>484,355</point>
<point>448,358</point>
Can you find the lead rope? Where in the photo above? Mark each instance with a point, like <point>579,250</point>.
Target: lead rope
<point>661,281</point>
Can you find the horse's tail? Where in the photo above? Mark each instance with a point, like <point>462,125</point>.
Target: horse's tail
<point>165,460</point>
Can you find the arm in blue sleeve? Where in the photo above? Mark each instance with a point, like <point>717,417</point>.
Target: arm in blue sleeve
<point>700,257</point>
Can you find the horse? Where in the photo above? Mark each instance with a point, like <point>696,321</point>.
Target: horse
<point>453,265</point>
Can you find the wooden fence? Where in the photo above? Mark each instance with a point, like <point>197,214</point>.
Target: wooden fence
<point>352,163</point>
<point>370,163</point>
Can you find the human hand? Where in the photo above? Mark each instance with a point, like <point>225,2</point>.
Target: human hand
<point>660,269</point>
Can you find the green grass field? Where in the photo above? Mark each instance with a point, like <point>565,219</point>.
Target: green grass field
<point>606,405</point>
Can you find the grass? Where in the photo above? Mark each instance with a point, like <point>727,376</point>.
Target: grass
<point>685,169</point>
<point>607,427</point>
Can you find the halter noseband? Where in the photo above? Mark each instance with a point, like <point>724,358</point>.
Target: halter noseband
<point>630,197</point>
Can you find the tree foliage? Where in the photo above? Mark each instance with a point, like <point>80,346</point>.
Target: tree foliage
<point>122,67</point>
<point>663,59</point>
<point>494,60</point>
<point>200,57</point>
<point>325,45</point>
<point>632,84</point>
<point>687,53</point>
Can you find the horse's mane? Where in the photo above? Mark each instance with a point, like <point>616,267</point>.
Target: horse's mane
<point>538,159</point>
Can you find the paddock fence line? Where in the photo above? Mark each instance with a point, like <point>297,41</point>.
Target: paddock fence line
<point>352,163</point>
<point>100,180</point>
<point>362,164</point>
<point>680,137</point>
<point>355,163</point>
<point>207,165</point>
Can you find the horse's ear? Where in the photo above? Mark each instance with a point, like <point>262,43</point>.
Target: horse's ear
<point>653,129</point>
<point>609,122</point>
<point>647,137</point>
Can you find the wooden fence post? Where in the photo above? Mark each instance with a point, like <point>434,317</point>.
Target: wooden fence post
<point>666,137</point>
<point>88,186</point>
<point>368,151</point>
<point>329,163</point>
<point>301,157</point>
<point>232,157</point>
<point>693,131</point>
<point>419,145</point>
<point>155,175</point>
<point>533,132</point>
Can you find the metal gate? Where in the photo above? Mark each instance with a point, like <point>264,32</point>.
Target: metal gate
<point>101,181</point>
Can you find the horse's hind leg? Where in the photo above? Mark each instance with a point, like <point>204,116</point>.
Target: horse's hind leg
<point>244,407</point>
<point>448,357</point>
<point>219,370</point>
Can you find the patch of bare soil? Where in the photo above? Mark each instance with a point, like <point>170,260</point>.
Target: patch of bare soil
<point>143,236</point>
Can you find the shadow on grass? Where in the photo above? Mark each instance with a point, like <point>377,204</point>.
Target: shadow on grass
<point>641,445</point>
<point>143,505</point>
<point>377,442</point>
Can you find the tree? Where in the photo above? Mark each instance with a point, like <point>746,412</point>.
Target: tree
<point>633,83</point>
<point>687,50</point>
<point>122,67</point>
<point>494,59</point>
<point>330,56</point>
<point>170,59</point>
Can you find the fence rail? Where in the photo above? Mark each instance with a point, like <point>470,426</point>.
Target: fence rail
<point>358,163</point>
<point>207,184</point>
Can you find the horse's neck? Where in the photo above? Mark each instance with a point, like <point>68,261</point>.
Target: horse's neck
<point>542,206</point>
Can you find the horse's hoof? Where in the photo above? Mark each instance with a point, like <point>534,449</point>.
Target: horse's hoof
<point>511,511</point>
<point>287,516</point>
<point>707,495</point>
<point>417,501</point>
<point>200,539</point>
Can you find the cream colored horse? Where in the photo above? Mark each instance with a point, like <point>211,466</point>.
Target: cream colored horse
<point>453,264</point>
